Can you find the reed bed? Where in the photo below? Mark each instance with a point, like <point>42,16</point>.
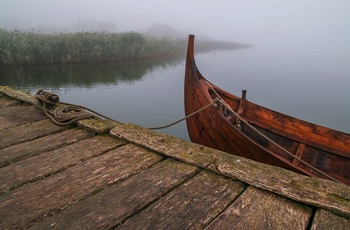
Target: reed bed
<point>29,48</point>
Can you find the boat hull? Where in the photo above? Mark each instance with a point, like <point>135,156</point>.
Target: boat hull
<point>265,135</point>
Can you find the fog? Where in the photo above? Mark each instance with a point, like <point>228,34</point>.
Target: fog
<point>297,28</point>
<point>248,21</point>
<point>301,48</point>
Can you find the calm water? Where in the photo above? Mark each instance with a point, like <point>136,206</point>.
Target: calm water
<point>151,93</point>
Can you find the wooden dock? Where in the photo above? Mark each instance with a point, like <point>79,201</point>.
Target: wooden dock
<point>107,175</point>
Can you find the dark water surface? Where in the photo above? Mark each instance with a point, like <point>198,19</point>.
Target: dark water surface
<point>150,93</point>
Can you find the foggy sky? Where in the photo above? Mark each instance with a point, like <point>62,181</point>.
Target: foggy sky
<point>314,24</point>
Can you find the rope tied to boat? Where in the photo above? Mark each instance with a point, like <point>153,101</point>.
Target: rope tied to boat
<point>61,115</point>
<point>184,118</point>
<point>71,113</point>
<point>240,120</point>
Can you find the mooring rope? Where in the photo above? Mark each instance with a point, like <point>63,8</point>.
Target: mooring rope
<point>70,113</point>
<point>184,118</point>
<point>66,114</point>
<point>220,100</point>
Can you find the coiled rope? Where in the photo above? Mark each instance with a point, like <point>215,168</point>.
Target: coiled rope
<point>65,114</point>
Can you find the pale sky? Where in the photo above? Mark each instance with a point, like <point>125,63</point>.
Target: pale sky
<point>242,20</point>
<point>322,26</point>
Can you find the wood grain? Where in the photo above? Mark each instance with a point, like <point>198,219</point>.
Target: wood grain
<point>18,115</point>
<point>191,206</point>
<point>321,193</point>
<point>27,132</point>
<point>258,209</point>
<point>48,163</point>
<point>328,220</point>
<point>109,207</point>
<point>30,203</point>
<point>40,145</point>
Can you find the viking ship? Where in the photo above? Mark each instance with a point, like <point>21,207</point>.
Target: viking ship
<point>223,121</point>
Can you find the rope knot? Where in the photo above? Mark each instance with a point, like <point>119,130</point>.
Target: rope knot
<point>62,115</point>
<point>47,97</point>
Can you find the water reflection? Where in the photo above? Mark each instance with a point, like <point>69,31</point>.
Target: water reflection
<point>79,75</point>
<point>150,93</point>
<point>146,93</point>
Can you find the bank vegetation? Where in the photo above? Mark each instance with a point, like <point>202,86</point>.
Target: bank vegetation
<point>30,48</point>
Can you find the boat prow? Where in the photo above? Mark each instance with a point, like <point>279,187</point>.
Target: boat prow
<point>237,126</point>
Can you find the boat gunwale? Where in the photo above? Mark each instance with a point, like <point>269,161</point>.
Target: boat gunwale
<point>280,132</point>
<point>205,90</point>
<point>274,129</point>
<point>191,68</point>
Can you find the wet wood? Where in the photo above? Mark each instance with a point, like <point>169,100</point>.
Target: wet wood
<point>35,147</point>
<point>299,154</point>
<point>18,94</point>
<point>118,202</point>
<point>167,145</point>
<point>328,220</point>
<point>6,101</point>
<point>262,135</point>
<point>96,125</point>
<point>191,206</point>
<point>48,163</point>
<point>312,191</point>
<point>49,195</point>
<point>258,209</point>
<point>18,115</point>
<point>27,132</point>
<point>74,177</point>
<point>320,193</point>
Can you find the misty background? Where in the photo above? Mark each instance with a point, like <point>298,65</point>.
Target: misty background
<point>296,28</point>
<point>300,54</point>
<point>300,30</point>
<point>317,23</point>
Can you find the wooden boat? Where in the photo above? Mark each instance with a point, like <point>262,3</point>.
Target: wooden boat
<point>226,122</point>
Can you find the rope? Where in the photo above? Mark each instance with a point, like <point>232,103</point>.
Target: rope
<point>219,99</point>
<point>184,118</point>
<point>63,115</point>
<point>71,113</point>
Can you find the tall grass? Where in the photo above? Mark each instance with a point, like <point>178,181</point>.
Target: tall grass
<point>29,48</point>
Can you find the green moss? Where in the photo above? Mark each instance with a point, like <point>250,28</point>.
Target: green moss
<point>19,95</point>
<point>95,124</point>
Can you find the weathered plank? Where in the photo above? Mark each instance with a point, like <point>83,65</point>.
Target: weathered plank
<point>40,166</point>
<point>327,220</point>
<point>96,125</point>
<point>109,207</point>
<point>40,145</point>
<point>33,202</point>
<point>18,94</point>
<point>313,191</point>
<point>193,205</point>
<point>27,132</point>
<point>320,193</point>
<point>18,115</point>
<point>258,209</point>
<point>6,101</point>
<point>69,188</point>
<point>167,145</point>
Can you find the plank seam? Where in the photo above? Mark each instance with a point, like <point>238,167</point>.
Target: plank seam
<point>96,191</point>
<point>246,186</point>
<point>40,152</point>
<point>126,218</point>
<point>60,170</point>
